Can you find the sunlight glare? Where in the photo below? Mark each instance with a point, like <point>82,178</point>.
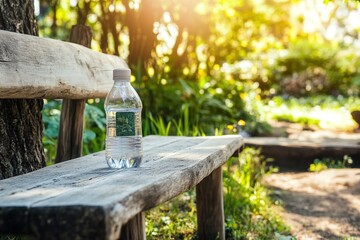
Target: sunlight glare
<point>37,7</point>
<point>167,17</point>
<point>120,7</point>
<point>111,8</point>
<point>134,4</point>
<point>201,8</point>
<point>73,3</point>
<point>166,33</point>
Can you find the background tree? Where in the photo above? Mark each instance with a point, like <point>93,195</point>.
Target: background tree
<point>21,148</point>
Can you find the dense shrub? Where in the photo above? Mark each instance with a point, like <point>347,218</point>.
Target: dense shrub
<point>313,67</point>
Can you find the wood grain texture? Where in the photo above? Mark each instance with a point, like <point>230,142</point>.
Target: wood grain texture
<point>86,186</point>
<point>134,229</point>
<point>71,128</point>
<point>33,67</point>
<point>210,207</point>
<point>69,145</point>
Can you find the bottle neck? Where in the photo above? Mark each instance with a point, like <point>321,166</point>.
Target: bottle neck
<point>122,83</point>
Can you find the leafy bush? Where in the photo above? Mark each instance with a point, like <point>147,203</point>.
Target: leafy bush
<point>313,66</point>
<point>94,128</point>
<point>325,163</point>
<point>51,119</point>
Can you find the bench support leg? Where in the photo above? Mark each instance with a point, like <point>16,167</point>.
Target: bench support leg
<point>71,130</point>
<point>210,207</point>
<point>134,229</point>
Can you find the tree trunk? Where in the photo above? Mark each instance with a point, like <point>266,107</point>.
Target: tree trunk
<point>21,148</point>
<point>140,25</point>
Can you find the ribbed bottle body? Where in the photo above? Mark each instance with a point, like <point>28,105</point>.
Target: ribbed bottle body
<point>123,146</point>
<point>123,126</point>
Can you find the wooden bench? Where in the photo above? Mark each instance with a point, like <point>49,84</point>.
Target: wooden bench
<point>83,198</point>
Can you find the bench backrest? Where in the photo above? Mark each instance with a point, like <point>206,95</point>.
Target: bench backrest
<point>34,67</point>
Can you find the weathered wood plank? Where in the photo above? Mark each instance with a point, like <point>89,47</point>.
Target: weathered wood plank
<point>134,229</point>
<point>171,166</point>
<point>33,67</point>
<point>79,170</point>
<point>210,207</point>
<point>69,145</point>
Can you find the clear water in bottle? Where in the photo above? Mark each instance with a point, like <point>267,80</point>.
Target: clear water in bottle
<point>123,123</point>
<point>123,151</point>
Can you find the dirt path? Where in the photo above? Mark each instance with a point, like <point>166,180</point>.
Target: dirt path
<point>323,205</point>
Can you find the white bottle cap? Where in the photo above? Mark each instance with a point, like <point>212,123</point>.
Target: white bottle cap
<point>122,74</point>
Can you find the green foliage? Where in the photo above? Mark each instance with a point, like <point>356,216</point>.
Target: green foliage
<point>51,119</point>
<point>188,66</point>
<point>211,105</point>
<point>94,132</point>
<point>247,205</point>
<point>326,112</point>
<point>213,66</point>
<point>326,163</point>
<point>175,219</point>
<point>155,126</point>
<point>313,66</point>
<point>94,129</point>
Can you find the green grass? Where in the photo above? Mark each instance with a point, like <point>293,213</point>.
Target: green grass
<point>325,112</point>
<point>175,219</point>
<point>249,210</point>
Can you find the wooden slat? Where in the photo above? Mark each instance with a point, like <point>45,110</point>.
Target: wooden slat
<point>89,194</point>
<point>33,67</point>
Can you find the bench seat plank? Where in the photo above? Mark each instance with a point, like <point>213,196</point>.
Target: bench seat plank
<point>83,198</point>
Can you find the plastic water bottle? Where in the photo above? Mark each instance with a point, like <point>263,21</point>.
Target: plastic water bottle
<point>123,123</point>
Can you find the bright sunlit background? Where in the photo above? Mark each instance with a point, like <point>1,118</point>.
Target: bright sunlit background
<point>224,62</point>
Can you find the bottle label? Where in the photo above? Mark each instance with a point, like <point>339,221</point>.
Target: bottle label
<point>125,124</point>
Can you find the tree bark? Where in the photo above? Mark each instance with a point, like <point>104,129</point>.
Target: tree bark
<point>21,148</point>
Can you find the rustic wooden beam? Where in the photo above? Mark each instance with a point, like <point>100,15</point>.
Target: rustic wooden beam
<point>33,67</point>
<point>71,128</point>
<point>210,207</point>
<point>134,229</point>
